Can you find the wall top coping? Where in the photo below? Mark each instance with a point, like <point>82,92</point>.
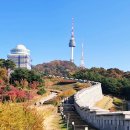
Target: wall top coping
<point>116,113</point>
<point>97,110</point>
<point>110,113</point>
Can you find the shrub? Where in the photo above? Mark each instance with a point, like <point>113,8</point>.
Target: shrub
<point>117,101</point>
<point>7,88</point>
<point>41,91</point>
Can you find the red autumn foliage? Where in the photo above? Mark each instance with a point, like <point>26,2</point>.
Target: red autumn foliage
<point>15,93</point>
<point>12,95</point>
<point>1,82</point>
<point>20,92</point>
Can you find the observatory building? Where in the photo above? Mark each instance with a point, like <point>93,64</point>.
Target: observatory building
<point>20,55</point>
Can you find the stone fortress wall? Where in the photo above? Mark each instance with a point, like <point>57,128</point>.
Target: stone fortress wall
<point>100,118</point>
<point>84,101</point>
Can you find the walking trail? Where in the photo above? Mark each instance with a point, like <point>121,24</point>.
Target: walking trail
<point>51,117</point>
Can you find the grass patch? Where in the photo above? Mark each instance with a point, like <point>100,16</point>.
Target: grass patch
<point>105,103</point>
<point>17,117</point>
<point>78,86</point>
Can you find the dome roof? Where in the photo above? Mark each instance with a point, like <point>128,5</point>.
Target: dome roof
<point>21,47</point>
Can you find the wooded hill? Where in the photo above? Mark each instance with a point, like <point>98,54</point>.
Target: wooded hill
<point>114,81</point>
<point>57,67</point>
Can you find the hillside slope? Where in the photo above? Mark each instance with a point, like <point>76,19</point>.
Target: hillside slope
<point>57,67</point>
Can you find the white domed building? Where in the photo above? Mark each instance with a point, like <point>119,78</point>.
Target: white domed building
<point>21,56</point>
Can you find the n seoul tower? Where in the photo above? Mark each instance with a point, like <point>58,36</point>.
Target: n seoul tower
<point>72,42</point>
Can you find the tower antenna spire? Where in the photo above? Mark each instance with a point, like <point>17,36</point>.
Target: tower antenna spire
<point>72,33</point>
<point>82,65</point>
<point>72,42</point>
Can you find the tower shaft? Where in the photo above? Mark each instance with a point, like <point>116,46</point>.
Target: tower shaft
<point>72,54</point>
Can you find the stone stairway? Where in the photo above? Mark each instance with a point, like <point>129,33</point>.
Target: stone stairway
<point>70,115</point>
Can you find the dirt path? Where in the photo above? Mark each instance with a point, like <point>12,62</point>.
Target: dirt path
<point>51,117</point>
<point>52,121</point>
<point>42,100</point>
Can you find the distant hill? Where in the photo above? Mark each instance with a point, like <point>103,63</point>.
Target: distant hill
<point>112,72</point>
<point>57,67</point>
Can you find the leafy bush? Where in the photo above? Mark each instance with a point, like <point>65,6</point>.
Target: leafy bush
<point>117,101</point>
<point>41,91</point>
<point>14,94</point>
<point>7,88</point>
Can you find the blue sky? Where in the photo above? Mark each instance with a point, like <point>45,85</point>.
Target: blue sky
<point>44,26</point>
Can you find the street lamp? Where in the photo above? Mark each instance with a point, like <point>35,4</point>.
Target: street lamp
<point>68,122</point>
<point>64,116</point>
<point>63,102</point>
<point>73,125</point>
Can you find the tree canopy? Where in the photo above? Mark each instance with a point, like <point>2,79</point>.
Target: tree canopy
<point>23,73</point>
<point>114,81</point>
<point>8,64</point>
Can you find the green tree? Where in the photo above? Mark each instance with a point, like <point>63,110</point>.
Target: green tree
<point>19,74</point>
<point>8,64</point>
<point>2,63</point>
<point>34,76</point>
<point>23,73</point>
